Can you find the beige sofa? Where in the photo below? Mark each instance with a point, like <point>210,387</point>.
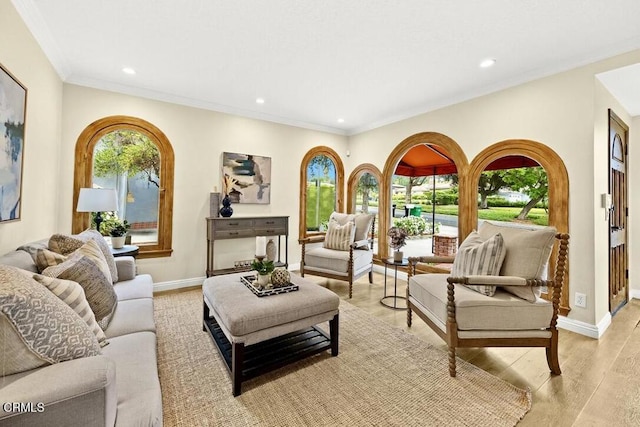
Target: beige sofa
<point>118,387</point>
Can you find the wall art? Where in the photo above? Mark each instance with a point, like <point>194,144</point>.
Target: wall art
<point>250,177</point>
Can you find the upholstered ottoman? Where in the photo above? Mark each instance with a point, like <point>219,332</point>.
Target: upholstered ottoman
<point>258,334</point>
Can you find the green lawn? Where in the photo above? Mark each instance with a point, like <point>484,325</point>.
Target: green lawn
<point>537,215</point>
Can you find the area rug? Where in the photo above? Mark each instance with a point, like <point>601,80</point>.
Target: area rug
<point>383,376</point>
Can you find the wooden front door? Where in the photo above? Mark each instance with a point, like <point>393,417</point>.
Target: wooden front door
<point>619,213</point>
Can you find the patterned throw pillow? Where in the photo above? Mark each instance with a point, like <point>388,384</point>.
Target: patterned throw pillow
<point>65,244</point>
<point>338,236</point>
<point>72,294</point>
<point>479,257</point>
<point>88,267</point>
<point>45,258</point>
<point>36,327</point>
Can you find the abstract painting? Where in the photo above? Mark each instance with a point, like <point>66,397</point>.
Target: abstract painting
<point>13,103</point>
<point>249,177</point>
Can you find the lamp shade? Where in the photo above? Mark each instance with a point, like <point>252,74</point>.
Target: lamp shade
<point>97,200</point>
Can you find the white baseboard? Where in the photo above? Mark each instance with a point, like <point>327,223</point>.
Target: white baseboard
<point>586,329</point>
<point>177,284</point>
<point>634,293</point>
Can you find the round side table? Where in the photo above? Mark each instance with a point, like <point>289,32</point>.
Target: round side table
<point>126,250</point>
<point>399,302</point>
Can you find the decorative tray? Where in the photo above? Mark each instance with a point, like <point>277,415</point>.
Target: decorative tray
<point>249,280</point>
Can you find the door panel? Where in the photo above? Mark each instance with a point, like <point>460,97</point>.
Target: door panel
<point>618,257</point>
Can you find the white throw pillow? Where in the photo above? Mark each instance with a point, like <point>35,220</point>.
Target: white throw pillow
<point>339,237</point>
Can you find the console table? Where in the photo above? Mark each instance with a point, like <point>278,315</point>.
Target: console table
<point>220,228</point>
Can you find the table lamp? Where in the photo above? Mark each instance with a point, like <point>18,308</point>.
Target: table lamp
<point>97,200</point>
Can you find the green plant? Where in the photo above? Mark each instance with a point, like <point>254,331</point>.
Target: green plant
<point>412,225</point>
<point>113,226</point>
<point>263,267</point>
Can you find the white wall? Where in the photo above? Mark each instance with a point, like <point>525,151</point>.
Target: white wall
<point>23,58</point>
<point>198,138</point>
<point>557,111</point>
<point>634,206</point>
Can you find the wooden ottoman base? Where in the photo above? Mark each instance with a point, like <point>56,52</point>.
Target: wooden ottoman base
<point>245,362</point>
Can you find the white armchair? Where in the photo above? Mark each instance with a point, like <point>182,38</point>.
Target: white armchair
<point>346,252</point>
<point>492,296</point>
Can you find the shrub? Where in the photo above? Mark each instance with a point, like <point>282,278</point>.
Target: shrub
<point>413,225</point>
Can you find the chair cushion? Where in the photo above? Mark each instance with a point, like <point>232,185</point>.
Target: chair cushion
<point>339,237</point>
<point>474,311</point>
<point>36,327</point>
<point>332,261</point>
<point>362,221</point>
<point>88,267</point>
<point>479,257</point>
<point>528,252</point>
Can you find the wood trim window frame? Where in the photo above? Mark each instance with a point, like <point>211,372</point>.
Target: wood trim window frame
<point>304,164</point>
<point>83,177</point>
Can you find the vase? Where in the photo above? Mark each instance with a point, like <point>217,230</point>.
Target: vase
<point>226,210</point>
<point>263,280</point>
<point>117,242</point>
<point>271,250</point>
<point>397,256</point>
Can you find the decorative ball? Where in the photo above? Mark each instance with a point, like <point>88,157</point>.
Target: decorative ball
<point>280,277</point>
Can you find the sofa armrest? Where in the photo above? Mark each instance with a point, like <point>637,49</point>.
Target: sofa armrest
<point>501,281</point>
<point>312,239</point>
<point>126,266</point>
<point>78,392</point>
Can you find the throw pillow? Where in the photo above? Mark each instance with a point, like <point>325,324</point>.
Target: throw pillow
<point>65,244</point>
<point>362,223</point>
<point>339,237</point>
<point>36,327</point>
<point>72,294</point>
<point>479,257</point>
<point>45,258</point>
<point>88,267</point>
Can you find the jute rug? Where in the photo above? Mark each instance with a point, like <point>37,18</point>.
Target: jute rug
<point>383,376</point>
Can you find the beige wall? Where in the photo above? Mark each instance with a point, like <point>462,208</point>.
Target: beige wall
<point>23,58</point>
<point>557,111</point>
<point>198,138</point>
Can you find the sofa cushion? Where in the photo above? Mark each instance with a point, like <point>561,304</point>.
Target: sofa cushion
<point>141,286</point>
<point>72,294</point>
<point>474,311</point>
<point>137,383</point>
<point>36,327</point>
<point>88,267</point>
<point>20,259</point>
<point>132,316</point>
<point>339,237</point>
<point>479,257</point>
<point>65,244</point>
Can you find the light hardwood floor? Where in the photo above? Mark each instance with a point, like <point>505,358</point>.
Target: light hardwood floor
<point>600,381</point>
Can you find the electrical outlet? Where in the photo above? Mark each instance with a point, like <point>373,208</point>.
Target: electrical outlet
<point>581,300</point>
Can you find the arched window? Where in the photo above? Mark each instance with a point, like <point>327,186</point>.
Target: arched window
<point>135,158</point>
<point>557,184</point>
<point>363,193</point>
<point>321,189</point>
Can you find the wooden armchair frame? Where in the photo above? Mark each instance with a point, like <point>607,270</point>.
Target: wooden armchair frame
<point>450,335</point>
<point>350,274</point>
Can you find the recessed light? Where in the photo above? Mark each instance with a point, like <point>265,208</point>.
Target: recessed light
<point>340,120</point>
<point>259,100</point>
<point>487,63</point>
<point>128,70</point>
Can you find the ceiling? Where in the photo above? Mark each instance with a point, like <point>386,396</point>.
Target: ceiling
<point>367,62</point>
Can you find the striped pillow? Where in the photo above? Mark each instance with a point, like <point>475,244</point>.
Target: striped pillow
<point>45,258</point>
<point>339,237</point>
<point>479,257</point>
<point>72,294</point>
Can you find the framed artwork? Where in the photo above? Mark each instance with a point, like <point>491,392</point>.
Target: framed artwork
<point>249,177</point>
<point>13,107</point>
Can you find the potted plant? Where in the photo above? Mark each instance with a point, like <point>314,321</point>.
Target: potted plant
<point>118,232</point>
<point>398,238</point>
<point>264,268</point>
